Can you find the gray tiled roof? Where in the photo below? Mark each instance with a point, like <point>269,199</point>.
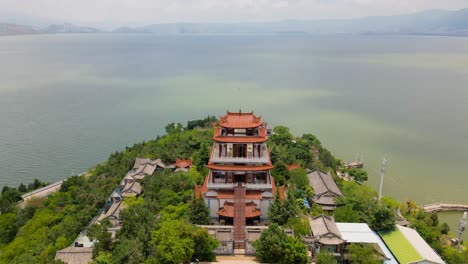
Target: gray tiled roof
<point>325,231</point>
<point>323,183</point>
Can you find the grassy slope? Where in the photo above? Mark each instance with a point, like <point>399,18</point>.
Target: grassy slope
<point>400,247</point>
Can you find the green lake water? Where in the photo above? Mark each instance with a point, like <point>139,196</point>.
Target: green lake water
<point>68,101</point>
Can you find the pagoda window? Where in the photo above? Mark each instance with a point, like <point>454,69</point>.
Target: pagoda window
<point>250,132</point>
<point>223,132</point>
<point>229,177</point>
<point>249,178</point>
<point>250,153</point>
<point>260,178</point>
<point>256,132</point>
<point>219,178</point>
<point>229,150</point>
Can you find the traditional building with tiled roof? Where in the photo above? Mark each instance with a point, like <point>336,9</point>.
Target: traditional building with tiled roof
<point>239,188</point>
<point>325,189</point>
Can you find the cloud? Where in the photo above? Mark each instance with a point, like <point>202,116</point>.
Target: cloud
<point>139,12</point>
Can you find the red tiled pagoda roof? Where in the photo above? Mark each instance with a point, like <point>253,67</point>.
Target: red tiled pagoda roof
<point>240,120</point>
<point>228,210</point>
<point>239,167</point>
<point>294,166</point>
<point>183,163</point>
<point>201,189</point>
<point>282,190</point>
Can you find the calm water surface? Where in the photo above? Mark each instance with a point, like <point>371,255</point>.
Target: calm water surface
<point>68,101</point>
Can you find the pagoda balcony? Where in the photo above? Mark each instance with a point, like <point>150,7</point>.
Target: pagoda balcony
<point>220,184</point>
<point>231,185</point>
<point>222,157</point>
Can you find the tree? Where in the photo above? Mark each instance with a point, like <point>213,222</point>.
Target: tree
<point>276,247</point>
<point>174,128</point>
<point>346,214</point>
<point>362,254</point>
<point>279,172</point>
<point>444,228</point>
<point>299,178</point>
<point>281,136</point>
<point>12,195</point>
<point>358,174</point>
<point>22,188</point>
<point>204,245</point>
<point>383,218</point>
<point>128,251</point>
<point>8,228</point>
<point>327,158</point>
<point>281,210</point>
<point>100,233</point>
<point>300,225</point>
<point>172,242</point>
<point>103,258</point>
<point>198,212</point>
<point>295,251</point>
<point>270,245</point>
<point>325,257</point>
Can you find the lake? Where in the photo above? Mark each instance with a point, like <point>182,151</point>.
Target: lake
<point>68,101</point>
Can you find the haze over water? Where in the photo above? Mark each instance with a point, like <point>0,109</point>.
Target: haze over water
<point>68,101</point>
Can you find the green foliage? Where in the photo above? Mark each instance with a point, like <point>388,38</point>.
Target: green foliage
<point>325,257</point>
<point>138,221</point>
<point>8,230</point>
<point>358,175</point>
<point>276,247</point>
<point>128,251</point>
<point>201,123</point>
<point>198,212</point>
<point>204,245</point>
<point>56,221</point>
<point>195,176</point>
<point>444,228</point>
<point>295,251</point>
<point>300,225</point>
<point>346,214</point>
<point>362,253</point>
<point>176,241</point>
<point>282,210</point>
<point>172,242</point>
<point>100,233</point>
<point>280,172</point>
<point>308,191</point>
<point>389,202</point>
<point>103,258</point>
<point>361,203</point>
<point>298,177</point>
<point>328,159</point>
<point>270,245</point>
<point>281,136</point>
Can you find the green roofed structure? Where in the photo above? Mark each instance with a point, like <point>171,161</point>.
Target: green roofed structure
<point>409,247</point>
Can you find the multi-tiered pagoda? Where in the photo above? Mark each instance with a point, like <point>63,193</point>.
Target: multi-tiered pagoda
<point>239,188</point>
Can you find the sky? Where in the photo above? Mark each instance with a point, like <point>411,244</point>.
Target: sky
<point>113,13</point>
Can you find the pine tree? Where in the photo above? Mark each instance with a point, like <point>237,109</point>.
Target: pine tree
<point>198,212</point>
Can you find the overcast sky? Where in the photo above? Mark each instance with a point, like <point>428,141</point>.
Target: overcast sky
<point>140,12</point>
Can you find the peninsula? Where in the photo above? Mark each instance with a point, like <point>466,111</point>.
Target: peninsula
<point>220,186</point>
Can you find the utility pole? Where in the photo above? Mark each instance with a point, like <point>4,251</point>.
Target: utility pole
<point>462,227</point>
<point>382,174</point>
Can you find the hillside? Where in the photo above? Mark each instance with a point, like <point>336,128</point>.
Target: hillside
<point>433,22</point>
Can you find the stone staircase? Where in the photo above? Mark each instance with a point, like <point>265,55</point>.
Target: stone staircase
<point>239,217</point>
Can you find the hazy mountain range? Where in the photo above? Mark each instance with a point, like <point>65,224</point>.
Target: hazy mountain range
<point>434,22</point>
